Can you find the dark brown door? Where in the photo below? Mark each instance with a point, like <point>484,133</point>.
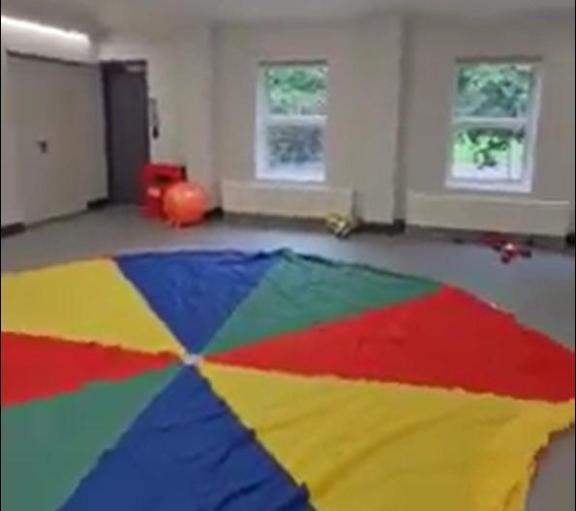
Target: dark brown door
<point>128,132</point>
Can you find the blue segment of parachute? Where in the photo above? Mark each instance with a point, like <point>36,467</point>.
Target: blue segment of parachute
<point>188,452</point>
<point>194,293</point>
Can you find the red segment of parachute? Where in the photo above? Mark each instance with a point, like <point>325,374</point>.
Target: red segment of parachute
<point>39,368</point>
<point>449,340</point>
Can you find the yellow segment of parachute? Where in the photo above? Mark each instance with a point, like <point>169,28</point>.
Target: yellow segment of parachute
<point>84,302</point>
<point>389,447</point>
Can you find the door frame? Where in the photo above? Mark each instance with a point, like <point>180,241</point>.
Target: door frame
<point>107,67</point>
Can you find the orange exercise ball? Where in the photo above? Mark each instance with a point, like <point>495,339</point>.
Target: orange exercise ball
<point>185,204</point>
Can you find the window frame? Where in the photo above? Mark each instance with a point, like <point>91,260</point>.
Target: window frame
<point>523,185</point>
<point>265,120</point>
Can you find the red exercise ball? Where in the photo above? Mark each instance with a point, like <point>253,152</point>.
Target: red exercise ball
<point>185,204</point>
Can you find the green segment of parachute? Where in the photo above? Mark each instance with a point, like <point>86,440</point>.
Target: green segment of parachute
<point>49,446</point>
<point>301,292</point>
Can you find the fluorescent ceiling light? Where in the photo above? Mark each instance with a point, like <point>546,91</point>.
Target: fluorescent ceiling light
<point>47,30</point>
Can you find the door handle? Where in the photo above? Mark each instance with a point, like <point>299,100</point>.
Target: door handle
<point>43,146</point>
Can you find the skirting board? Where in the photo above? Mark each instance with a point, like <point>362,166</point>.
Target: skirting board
<point>13,230</point>
<point>397,228</point>
<point>98,204</point>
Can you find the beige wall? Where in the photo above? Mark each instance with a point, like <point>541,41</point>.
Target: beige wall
<point>362,134</point>
<point>432,50</point>
<point>383,148</point>
<point>180,79</point>
<point>389,116</point>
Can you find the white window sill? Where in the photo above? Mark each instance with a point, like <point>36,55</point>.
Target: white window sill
<point>520,187</point>
<point>312,176</point>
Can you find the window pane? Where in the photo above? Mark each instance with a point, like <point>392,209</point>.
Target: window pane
<point>296,149</point>
<point>489,154</point>
<point>297,90</point>
<point>494,90</point>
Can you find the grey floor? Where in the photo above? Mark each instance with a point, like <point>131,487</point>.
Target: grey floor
<point>540,291</point>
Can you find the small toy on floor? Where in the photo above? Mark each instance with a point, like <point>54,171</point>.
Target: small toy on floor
<point>509,250</point>
<point>341,226</point>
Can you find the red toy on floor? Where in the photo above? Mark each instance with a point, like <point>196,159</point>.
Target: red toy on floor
<point>156,180</point>
<point>509,250</point>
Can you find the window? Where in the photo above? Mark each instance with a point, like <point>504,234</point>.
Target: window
<point>292,122</point>
<point>494,127</point>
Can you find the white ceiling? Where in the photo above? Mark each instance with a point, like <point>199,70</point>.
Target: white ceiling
<point>128,15</point>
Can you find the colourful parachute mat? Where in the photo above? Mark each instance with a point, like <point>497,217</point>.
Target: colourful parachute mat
<point>219,381</point>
